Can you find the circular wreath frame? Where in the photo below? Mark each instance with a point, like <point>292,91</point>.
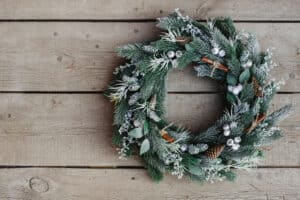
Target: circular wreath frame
<point>220,52</point>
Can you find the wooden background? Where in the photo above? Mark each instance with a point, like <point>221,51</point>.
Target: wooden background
<point>56,58</point>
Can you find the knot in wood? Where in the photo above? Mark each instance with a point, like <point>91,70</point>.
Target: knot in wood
<point>39,185</point>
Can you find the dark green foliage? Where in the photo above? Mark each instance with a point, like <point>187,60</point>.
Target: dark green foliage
<point>131,51</point>
<point>217,51</point>
<point>228,174</point>
<point>117,139</point>
<point>223,42</point>
<point>198,46</point>
<point>166,46</point>
<point>242,152</point>
<point>278,115</point>
<point>154,173</point>
<point>234,66</point>
<point>225,25</point>
<point>120,110</point>
<point>187,58</point>
<point>171,22</point>
<point>247,94</point>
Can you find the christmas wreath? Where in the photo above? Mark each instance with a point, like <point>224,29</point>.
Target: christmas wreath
<point>220,52</point>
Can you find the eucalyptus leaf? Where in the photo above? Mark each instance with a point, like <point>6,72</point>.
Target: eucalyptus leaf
<point>195,170</point>
<point>231,80</point>
<point>245,75</point>
<point>146,128</point>
<point>230,97</point>
<point>145,146</point>
<point>136,133</point>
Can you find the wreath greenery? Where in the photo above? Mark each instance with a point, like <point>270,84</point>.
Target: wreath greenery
<point>220,52</point>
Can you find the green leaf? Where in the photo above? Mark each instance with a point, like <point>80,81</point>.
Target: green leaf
<point>230,97</point>
<point>155,173</point>
<point>244,77</point>
<point>146,128</point>
<point>145,146</point>
<point>231,80</point>
<point>136,133</point>
<point>195,170</point>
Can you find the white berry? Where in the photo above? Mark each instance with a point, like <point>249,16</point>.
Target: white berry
<point>240,87</point>
<point>134,87</point>
<point>249,63</point>
<point>230,88</point>
<point>222,53</point>
<point>235,90</point>
<point>183,147</point>
<point>171,54</point>
<point>226,127</point>
<point>215,51</point>
<point>125,78</point>
<point>137,123</point>
<point>178,54</point>
<point>235,147</point>
<point>237,139</point>
<point>230,142</point>
<point>244,65</point>
<point>233,125</point>
<point>226,133</point>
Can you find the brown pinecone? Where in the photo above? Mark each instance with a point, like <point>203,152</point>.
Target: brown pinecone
<point>257,88</point>
<point>215,151</point>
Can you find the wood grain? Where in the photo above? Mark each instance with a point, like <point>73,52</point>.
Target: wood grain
<point>75,129</point>
<point>60,56</point>
<point>143,9</point>
<point>131,184</point>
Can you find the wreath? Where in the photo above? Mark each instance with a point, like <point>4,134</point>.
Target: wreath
<point>216,50</point>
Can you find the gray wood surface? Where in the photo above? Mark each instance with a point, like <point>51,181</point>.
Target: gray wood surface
<point>56,58</point>
<point>71,56</point>
<point>75,129</point>
<point>278,10</point>
<point>128,184</point>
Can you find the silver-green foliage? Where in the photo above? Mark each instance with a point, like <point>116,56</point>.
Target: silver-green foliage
<point>138,91</point>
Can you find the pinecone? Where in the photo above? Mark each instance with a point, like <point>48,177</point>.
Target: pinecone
<point>215,151</point>
<point>257,88</point>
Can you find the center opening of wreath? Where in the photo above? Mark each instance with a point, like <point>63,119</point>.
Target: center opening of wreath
<point>193,102</point>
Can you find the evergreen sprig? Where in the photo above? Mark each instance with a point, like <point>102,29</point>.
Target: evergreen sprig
<point>217,50</point>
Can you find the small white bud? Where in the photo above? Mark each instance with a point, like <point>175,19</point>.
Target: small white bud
<point>230,142</point>
<point>178,54</point>
<point>230,88</point>
<point>215,51</point>
<point>222,53</point>
<point>235,147</point>
<point>226,133</point>
<point>125,78</point>
<point>233,125</point>
<point>237,139</point>
<point>171,54</point>
<point>249,63</point>
<point>244,65</point>
<point>240,87</point>
<point>235,91</point>
<point>183,147</point>
<point>226,127</point>
<point>134,87</point>
<point>137,123</point>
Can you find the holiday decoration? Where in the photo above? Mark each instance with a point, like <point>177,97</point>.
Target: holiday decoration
<point>218,51</point>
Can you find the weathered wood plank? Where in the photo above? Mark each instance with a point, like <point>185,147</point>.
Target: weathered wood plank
<point>90,184</point>
<point>75,129</point>
<point>60,56</point>
<point>143,9</point>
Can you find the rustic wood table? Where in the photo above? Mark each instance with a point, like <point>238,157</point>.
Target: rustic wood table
<point>57,56</point>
